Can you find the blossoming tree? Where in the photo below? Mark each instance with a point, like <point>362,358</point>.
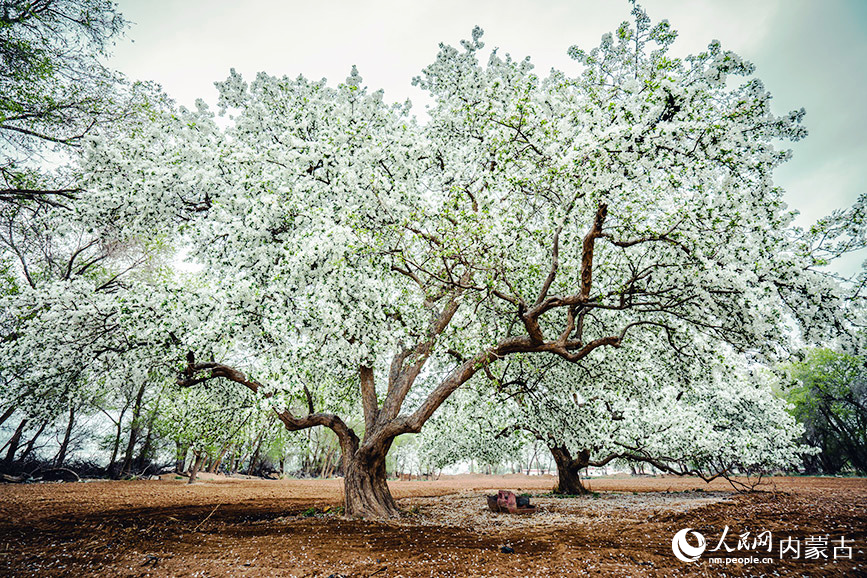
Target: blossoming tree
<point>684,412</point>
<point>56,90</point>
<point>62,279</point>
<point>358,254</point>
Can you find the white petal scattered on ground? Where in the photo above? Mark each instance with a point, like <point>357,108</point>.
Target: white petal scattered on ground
<point>469,510</point>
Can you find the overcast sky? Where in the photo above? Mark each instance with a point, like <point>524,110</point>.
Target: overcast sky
<point>809,53</point>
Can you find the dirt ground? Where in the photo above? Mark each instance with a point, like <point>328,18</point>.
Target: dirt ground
<point>228,527</point>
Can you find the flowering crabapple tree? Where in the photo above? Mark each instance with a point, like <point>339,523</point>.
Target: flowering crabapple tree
<point>69,302</point>
<point>56,90</point>
<point>707,415</point>
<point>62,277</point>
<point>359,254</point>
<point>467,427</point>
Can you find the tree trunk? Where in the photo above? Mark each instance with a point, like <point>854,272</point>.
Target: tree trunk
<point>29,447</point>
<point>326,463</point>
<point>253,459</point>
<point>7,414</point>
<point>13,442</point>
<point>259,440</point>
<point>330,471</point>
<point>215,465</point>
<point>180,457</point>
<point>365,488</point>
<point>568,480</point>
<point>61,454</point>
<point>148,441</point>
<point>130,448</point>
<point>145,450</point>
<point>115,448</point>
<point>134,429</point>
<point>197,463</point>
<point>533,457</point>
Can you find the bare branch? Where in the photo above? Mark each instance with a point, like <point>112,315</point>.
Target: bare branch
<point>368,398</point>
<point>348,438</point>
<point>419,355</point>
<point>309,399</point>
<point>587,254</point>
<point>555,253</point>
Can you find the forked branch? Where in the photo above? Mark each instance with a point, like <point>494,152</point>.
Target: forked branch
<point>192,376</point>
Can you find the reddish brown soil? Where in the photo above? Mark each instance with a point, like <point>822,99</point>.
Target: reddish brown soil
<point>256,528</point>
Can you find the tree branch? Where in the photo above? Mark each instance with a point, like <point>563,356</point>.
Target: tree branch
<point>368,398</point>
<point>348,439</point>
<point>587,253</point>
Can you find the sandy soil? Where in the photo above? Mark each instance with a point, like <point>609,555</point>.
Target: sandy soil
<point>226,527</point>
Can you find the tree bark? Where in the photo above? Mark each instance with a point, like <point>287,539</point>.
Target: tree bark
<point>180,457</point>
<point>197,463</point>
<point>30,444</point>
<point>61,454</point>
<point>215,465</point>
<point>148,441</point>
<point>13,442</point>
<point>568,479</point>
<point>326,463</point>
<point>330,471</point>
<point>7,414</point>
<point>115,448</point>
<point>365,488</point>
<point>134,429</point>
<point>144,451</point>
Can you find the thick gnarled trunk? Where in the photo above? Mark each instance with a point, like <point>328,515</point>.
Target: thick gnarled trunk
<point>366,492</point>
<point>568,479</point>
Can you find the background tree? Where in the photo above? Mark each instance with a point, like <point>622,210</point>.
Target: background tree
<point>81,321</point>
<point>55,90</point>
<point>828,391</point>
<point>704,416</point>
<point>208,424</point>
<point>468,428</point>
<point>66,275</point>
<point>723,422</point>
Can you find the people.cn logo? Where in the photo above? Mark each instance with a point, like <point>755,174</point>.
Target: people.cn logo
<point>685,551</point>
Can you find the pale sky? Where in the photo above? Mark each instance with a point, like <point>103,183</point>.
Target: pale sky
<point>809,53</point>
